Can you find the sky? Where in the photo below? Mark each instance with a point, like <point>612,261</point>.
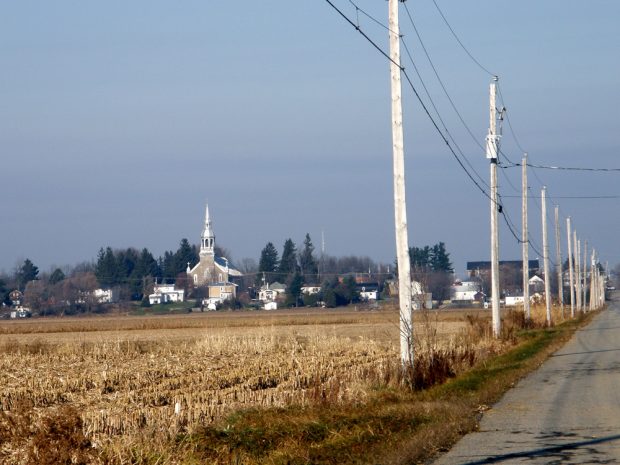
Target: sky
<point>120,120</point>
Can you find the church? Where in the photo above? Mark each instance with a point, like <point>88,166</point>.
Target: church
<point>213,271</point>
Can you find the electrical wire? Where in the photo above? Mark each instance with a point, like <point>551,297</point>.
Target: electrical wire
<point>460,42</point>
<point>512,132</point>
<point>571,197</point>
<point>474,138</point>
<point>497,202</point>
<point>426,91</point>
<point>418,97</point>
<point>512,228</point>
<point>562,168</point>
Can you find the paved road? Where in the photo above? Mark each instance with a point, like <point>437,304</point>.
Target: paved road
<point>567,412</point>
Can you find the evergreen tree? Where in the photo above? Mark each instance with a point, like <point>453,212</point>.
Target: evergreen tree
<point>347,290</point>
<point>125,263</point>
<point>56,276</point>
<point>146,266</point>
<point>168,267</point>
<point>420,258</point>
<point>186,254</point>
<point>4,293</point>
<point>307,262</point>
<point>26,273</point>
<point>293,291</point>
<point>267,264</point>
<point>440,259</point>
<point>106,268</point>
<point>288,262</point>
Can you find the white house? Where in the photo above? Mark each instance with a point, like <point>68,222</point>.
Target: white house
<point>514,300</point>
<point>270,292</point>
<point>106,296</point>
<point>164,293</point>
<point>270,306</point>
<point>537,284</point>
<point>310,290</point>
<point>368,291</point>
<point>464,291</point>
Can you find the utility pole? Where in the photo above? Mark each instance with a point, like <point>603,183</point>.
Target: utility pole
<point>400,209</point>
<point>492,149</point>
<point>577,244</point>
<point>592,282</point>
<point>558,257</point>
<point>525,243</point>
<point>584,288</point>
<point>543,199</point>
<point>571,277</point>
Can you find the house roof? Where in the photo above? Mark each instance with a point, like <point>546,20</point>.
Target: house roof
<point>223,262</point>
<point>222,283</point>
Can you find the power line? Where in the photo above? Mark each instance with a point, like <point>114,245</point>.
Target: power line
<point>562,168</point>
<point>426,91</point>
<point>475,139</point>
<point>514,135</point>
<point>573,197</point>
<point>416,93</point>
<point>459,41</point>
<point>512,228</point>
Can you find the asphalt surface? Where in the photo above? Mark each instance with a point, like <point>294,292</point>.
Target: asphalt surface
<point>567,412</point>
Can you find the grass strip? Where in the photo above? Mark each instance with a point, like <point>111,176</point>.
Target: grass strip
<point>395,426</point>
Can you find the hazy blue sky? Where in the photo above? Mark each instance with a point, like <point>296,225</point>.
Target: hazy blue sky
<point>118,120</point>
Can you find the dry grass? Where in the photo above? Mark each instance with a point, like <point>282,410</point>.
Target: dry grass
<point>122,388</point>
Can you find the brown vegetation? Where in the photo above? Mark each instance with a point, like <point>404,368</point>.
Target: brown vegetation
<point>129,389</point>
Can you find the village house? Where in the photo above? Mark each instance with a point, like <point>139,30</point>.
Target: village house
<point>164,293</point>
<point>466,292</point>
<point>310,290</point>
<point>271,292</point>
<point>368,291</point>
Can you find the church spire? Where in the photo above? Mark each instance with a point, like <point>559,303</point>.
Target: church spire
<point>207,242</point>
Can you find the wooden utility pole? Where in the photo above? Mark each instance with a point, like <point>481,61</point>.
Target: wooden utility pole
<point>584,288</point>
<point>592,282</point>
<point>525,243</point>
<point>400,207</point>
<point>543,199</point>
<point>558,257</point>
<point>577,244</point>
<point>571,276</point>
<point>492,149</point>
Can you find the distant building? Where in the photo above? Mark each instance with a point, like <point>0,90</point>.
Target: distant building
<point>211,268</point>
<point>478,269</point>
<point>16,297</point>
<point>164,293</point>
<point>310,290</point>
<point>21,312</point>
<point>368,291</point>
<point>270,292</point>
<point>514,300</point>
<point>465,291</point>
<point>270,306</point>
<point>222,291</point>
<point>537,284</point>
<point>106,296</point>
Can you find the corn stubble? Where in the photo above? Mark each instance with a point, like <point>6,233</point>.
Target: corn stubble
<point>121,401</point>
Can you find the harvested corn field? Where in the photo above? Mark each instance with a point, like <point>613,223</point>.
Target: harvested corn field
<point>134,377</point>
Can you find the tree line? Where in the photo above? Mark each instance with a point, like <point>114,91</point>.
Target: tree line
<point>134,272</point>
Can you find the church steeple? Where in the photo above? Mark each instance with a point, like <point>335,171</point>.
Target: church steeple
<point>207,242</point>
